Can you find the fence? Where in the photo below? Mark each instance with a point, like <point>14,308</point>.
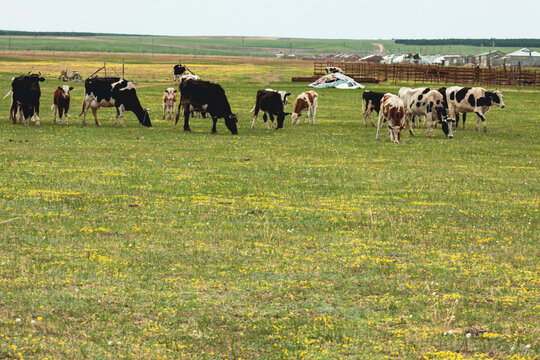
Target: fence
<point>434,73</point>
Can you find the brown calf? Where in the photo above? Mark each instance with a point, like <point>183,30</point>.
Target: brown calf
<point>61,102</point>
<point>393,110</point>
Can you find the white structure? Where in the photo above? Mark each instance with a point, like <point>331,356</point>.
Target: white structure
<point>524,57</point>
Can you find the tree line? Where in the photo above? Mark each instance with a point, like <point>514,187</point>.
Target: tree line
<point>472,42</point>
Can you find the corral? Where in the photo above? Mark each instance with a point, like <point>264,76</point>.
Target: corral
<point>313,242</point>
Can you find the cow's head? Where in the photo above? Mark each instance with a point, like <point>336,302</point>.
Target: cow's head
<point>497,98</point>
<point>281,119</point>
<point>231,121</point>
<point>65,90</point>
<point>145,121</point>
<point>447,123</point>
<point>395,133</point>
<point>295,118</point>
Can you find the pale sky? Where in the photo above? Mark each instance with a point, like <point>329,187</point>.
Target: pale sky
<point>344,19</point>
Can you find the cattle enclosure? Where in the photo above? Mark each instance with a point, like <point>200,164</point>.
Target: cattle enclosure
<point>418,73</point>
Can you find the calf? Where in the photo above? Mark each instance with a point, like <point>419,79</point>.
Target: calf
<point>169,101</point>
<point>61,100</point>
<point>371,101</point>
<point>429,103</point>
<point>113,92</point>
<point>25,98</point>
<point>199,95</point>
<point>308,101</point>
<point>472,100</point>
<point>333,70</point>
<point>271,103</point>
<point>392,110</point>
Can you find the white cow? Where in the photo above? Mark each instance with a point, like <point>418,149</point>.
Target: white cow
<point>170,97</point>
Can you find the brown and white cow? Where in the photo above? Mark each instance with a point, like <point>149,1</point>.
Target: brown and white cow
<point>308,101</point>
<point>61,102</point>
<point>429,103</point>
<point>392,110</point>
<point>170,96</point>
<point>472,100</point>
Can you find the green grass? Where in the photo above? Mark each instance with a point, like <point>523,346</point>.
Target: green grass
<point>313,242</point>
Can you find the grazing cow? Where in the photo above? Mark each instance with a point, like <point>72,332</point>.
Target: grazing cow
<point>178,71</point>
<point>199,95</point>
<point>371,101</point>
<point>308,101</point>
<point>169,101</point>
<point>429,103</point>
<point>61,100</point>
<point>185,77</point>
<point>112,92</point>
<point>333,70</point>
<point>472,100</point>
<point>26,93</point>
<point>271,103</point>
<point>392,110</point>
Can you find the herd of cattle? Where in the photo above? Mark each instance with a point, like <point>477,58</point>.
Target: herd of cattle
<point>441,106</point>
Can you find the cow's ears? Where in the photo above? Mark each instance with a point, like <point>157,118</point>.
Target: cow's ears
<point>41,79</point>
<point>70,88</point>
<point>287,114</point>
<point>287,94</point>
<point>175,90</point>
<point>60,88</point>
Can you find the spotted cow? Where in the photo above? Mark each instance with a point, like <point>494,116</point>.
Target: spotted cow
<point>333,70</point>
<point>472,100</point>
<point>392,110</point>
<point>308,101</point>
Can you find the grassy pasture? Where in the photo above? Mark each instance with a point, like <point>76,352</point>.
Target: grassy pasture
<point>313,242</point>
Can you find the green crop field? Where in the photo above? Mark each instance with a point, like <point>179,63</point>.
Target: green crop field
<point>225,46</point>
<point>311,242</point>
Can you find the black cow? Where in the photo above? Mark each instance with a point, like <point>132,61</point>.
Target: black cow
<point>271,102</point>
<point>109,92</point>
<point>25,99</point>
<point>199,95</point>
<point>178,70</point>
<point>371,101</point>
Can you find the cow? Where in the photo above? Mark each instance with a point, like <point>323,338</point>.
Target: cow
<point>271,103</point>
<point>61,100</point>
<point>178,70</point>
<point>170,95</point>
<point>112,92</point>
<point>283,95</point>
<point>309,101</point>
<point>333,70</point>
<point>26,93</point>
<point>472,100</point>
<point>199,95</point>
<point>392,110</point>
<point>371,101</point>
<point>185,77</point>
<point>429,103</point>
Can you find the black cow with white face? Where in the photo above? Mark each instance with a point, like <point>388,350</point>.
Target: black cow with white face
<point>178,71</point>
<point>25,99</point>
<point>371,101</point>
<point>475,100</point>
<point>272,104</point>
<point>113,92</point>
<point>199,95</point>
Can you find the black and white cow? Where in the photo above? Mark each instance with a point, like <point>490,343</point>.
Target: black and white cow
<point>472,100</point>
<point>272,104</point>
<point>283,95</point>
<point>112,92</point>
<point>371,101</point>
<point>429,103</point>
<point>199,95</point>
<point>333,70</point>
<point>26,93</point>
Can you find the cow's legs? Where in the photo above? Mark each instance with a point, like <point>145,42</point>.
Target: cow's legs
<point>464,118</point>
<point>66,117</point>
<point>164,110</point>
<point>186,118</point>
<point>55,108</point>
<point>456,117</point>
<point>214,122</point>
<point>429,122</point>
<point>408,120</point>
<point>120,113</point>
<point>256,109</point>
<point>274,127</point>
<point>379,124</point>
<point>94,112</point>
<point>480,116</point>
<point>313,113</point>
<point>61,115</point>
<point>178,113</point>
<point>265,119</point>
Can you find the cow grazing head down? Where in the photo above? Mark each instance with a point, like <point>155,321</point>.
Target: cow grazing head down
<point>231,121</point>
<point>446,122</point>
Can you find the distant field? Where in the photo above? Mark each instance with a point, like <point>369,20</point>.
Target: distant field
<point>225,46</point>
<point>311,242</point>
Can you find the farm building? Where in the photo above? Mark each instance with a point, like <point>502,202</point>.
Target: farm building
<point>486,59</point>
<point>524,57</point>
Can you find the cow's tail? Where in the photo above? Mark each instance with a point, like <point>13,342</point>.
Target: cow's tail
<point>9,93</point>
<point>364,102</point>
<point>82,112</point>
<point>253,110</point>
